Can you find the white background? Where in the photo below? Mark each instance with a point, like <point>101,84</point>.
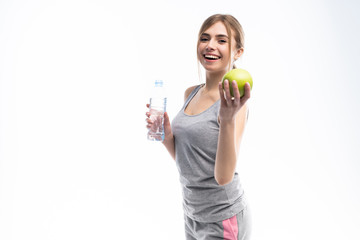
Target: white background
<point>74,80</point>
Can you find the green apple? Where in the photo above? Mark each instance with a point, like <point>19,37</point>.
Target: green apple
<point>241,76</point>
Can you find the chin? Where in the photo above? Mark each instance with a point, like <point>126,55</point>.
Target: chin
<point>214,69</point>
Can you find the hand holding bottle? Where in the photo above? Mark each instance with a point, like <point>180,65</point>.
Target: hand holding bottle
<point>153,123</point>
<point>157,109</point>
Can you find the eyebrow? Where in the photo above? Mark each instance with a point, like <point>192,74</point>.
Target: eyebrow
<point>218,36</point>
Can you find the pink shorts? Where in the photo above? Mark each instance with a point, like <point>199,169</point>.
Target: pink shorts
<point>235,228</point>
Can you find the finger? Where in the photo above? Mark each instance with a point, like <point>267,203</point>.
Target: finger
<point>236,91</point>
<point>167,126</point>
<point>147,114</point>
<point>221,92</point>
<point>147,105</point>
<point>227,90</point>
<point>246,96</point>
<point>166,119</point>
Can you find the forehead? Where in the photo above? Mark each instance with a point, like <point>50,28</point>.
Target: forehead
<point>217,28</point>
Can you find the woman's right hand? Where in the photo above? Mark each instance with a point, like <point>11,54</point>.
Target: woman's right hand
<point>167,126</point>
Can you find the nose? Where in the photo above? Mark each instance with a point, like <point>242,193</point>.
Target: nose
<point>210,46</point>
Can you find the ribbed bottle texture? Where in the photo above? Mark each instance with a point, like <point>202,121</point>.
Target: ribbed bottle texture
<point>157,110</point>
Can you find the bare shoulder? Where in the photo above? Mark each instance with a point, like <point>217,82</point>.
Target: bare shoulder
<point>188,91</point>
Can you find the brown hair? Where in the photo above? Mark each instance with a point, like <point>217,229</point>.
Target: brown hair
<point>231,23</point>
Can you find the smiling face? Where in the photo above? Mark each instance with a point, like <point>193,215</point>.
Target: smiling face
<point>213,49</point>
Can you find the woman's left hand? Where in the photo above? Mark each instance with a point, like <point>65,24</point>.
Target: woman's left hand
<point>231,105</point>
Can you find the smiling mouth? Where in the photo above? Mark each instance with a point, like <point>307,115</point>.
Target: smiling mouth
<point>211,57</point>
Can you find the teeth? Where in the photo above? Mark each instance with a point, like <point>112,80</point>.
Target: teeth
<point>211,56</point>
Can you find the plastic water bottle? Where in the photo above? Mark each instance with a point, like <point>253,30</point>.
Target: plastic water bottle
<point>157,110</point>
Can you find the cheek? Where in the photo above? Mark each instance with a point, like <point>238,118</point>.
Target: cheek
<point>225,53</point>
<point>198,55</point>
<point>200,49</point>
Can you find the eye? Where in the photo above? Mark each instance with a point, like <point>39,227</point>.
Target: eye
<point>203,39</point>
<point>222,41</point>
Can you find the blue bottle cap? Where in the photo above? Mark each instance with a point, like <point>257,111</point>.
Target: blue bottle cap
<point>158,83</point>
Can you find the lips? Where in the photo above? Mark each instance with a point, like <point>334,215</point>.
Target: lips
<point>211,57</point>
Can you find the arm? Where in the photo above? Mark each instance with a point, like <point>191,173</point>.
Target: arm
<point>232,119</point>
<point>169,141</point>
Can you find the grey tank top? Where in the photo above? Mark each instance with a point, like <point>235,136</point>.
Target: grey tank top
<point>196,139</point>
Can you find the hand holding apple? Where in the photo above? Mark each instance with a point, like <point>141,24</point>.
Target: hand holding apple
<point>241,76</point>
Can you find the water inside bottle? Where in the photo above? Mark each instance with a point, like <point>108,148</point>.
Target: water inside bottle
<point>156,132</point>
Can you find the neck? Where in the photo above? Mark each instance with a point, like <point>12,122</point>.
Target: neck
<point>213,79</point>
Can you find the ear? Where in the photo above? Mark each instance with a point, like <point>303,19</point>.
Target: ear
<point>238,53</point>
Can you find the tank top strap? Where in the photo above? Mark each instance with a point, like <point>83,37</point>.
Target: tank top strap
<point>192,94</point>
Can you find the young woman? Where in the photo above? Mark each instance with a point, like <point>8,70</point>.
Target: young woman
<point>204,138</point>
